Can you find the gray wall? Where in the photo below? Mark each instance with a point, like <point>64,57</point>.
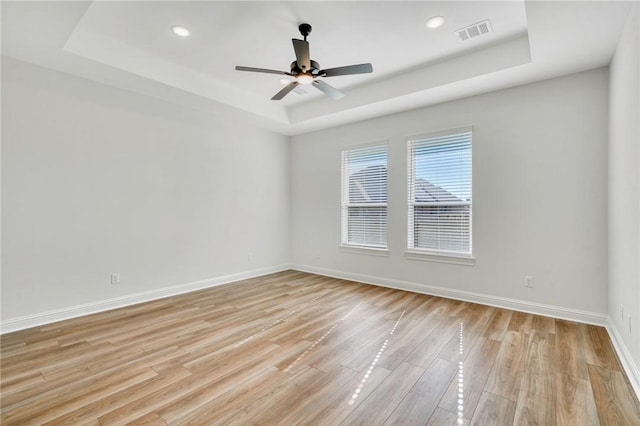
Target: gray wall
<point>539,194</point>
<point>98,180</point>
<point>624,187</point>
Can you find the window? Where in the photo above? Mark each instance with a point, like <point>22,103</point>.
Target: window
<point>364,197</point>
<point>439,173</point>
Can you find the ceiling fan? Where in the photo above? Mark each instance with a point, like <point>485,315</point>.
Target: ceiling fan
<point>307,71</point>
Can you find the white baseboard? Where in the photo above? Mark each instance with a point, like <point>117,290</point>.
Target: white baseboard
<point>629,365</point>
<point>467,296</point>
<point>20,323</point>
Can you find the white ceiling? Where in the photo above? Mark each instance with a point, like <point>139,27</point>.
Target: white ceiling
<point>129,45</point>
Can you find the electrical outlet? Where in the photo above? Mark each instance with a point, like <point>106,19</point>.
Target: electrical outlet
<point>621,313</point>
<point>115,278</point>
<point>250,256</point>
<point>629,321</point>
<point>528,281</point>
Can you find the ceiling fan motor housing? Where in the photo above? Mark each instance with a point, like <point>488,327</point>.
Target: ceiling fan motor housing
<point>295,69</point>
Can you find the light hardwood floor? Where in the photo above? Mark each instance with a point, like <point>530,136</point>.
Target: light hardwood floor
<point>295,348</point>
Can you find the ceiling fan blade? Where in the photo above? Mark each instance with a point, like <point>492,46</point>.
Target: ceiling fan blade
<point>281,94</point>
<point>302,54</point>
<point>239,68</point>
<point>348,70</point>
<point>328,90</point>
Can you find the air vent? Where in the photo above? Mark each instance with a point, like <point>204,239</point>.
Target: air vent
<point>474,30</point>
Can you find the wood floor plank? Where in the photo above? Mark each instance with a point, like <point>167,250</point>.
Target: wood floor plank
<point>223,409</point>
<point>402,343</point>
<point>423,398</point>
<point>520,321</point>
<point>336,408</point>
<point>537,398</point>
<point>334,355</point>
<point>543,324</point>
<point>244,367</point>
<point>150,419</point>
<point>477,366</point>
<point>294,348</point>
<point>442,417</point>
<point>30,380</point>
<point>291,398</point>
<point>497,325</point>
<point>418,306</point>
<point>509,363</point>
<point>305,408</point>
<point>576,404</point>
<point>569,357</point>
<point>79,359</point>
<point>331,346</point>
<point>493,410</point>
<point>94,373</point>
<point>614,403</point>
<point>185,387</point>
<point>101,406</point>
<point>275,401</point>
<point>19,365</point>
<point>436,338</point>
<point>102,331</point>
<point>304,327</point>
<point>377,332</point>
<point>383,400</point>
<point>56,405</point>
<point>597,346</point>
<point>473,327</point>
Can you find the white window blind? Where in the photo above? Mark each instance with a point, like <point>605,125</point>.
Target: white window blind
<point>364,196</point>
<point>440,192</point>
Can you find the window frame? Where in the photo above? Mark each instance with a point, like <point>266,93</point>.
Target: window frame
<point>435,255</point>
<point>345,203</point>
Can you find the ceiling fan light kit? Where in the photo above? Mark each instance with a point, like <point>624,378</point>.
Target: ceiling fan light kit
<point>308,72</point>
<point>304,78</point>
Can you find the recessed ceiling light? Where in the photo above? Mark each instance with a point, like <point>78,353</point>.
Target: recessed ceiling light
<point>181,31</point>
<point>434,22</point>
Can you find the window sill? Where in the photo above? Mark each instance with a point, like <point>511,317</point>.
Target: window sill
<point>440,257</point>
<point>371,251</point>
